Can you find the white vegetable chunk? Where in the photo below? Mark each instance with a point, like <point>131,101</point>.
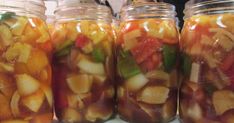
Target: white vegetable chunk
<point>136,82</point>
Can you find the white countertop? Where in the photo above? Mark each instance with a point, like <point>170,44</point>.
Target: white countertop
<point>117,120</point>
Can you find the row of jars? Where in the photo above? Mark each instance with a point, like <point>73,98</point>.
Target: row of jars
<point>89,71</point>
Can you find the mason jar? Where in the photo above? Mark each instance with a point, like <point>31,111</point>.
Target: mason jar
<point>51,5</point>
<point>25,70</point>
<point>147,50</point>
<point>83,63</point>
<point>207,44</point>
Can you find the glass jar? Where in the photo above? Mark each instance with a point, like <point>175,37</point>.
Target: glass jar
<point>25,71</point>
<point>83,63</point>
<point>147,48</point>
<point>207,92</point>
<point>50,16</point>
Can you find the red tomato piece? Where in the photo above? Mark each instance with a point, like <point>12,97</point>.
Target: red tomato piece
<point>202,29</point>
<point>47,46</point>
<point>194,33</point>
<point>152,63</point>
<point>146,47</point>
<point>230,74</point>
<point>81,41</point>
<point>227,62</point>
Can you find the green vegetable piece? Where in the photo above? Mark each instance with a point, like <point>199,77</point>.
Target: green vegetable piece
<point>124,54</point>
<point>169,57</point>
<point>64,49</point>
<point>6,16</point>
<point>209,89</point>
<point>186,65</point>
<point>127,66</point>
<point>64,45</point>
<point>63,52</point>
<point>98,55</point>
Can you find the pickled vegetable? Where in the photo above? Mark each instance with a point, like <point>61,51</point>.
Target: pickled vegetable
<point>127,66</point>
<point>83,71</point>
<point>25,94</point>
<point>207,88</point>
<point>6,15</point>
<point>169,57</point>
<point>146,64</point>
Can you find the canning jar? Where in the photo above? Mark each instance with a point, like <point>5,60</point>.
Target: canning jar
<point>147,48</point>
<point>50,16</point>
<point>207,92</point>
<point>83,63</point>
<point>25,71</point>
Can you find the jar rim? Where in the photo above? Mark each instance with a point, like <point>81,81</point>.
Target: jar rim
<point>24,8</point>
<point>209,7</point>
<point>83,11</point>
<point>148,10</point>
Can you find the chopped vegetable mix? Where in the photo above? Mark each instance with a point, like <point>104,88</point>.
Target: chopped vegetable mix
<point>25,70</point>
<point>207,62</point>
<point>147,52</point>
<point>84,87</point>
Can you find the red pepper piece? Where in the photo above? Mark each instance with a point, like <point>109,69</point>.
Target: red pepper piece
<point>81,41</point>
<point>152,63</point>
<point>146,47</point>
<point>228,62</point>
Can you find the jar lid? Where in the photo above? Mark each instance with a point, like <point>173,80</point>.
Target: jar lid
<point>68,2</point>
<point>148,10</point>
<point>82,11</point>
<point>24,7</point>
<point>51,5</point>
<point>198,7</point>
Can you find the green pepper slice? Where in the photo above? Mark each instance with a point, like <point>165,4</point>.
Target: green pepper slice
<point>98,55</point>
<point>186,64</point>
<point>127,66</point>
<point>209,89</point>
<point>124,54</point>
<point>6,16</point>
<point>169,56</point>
<point>64,49</point>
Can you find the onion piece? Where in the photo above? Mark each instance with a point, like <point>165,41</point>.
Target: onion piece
<point>223,101</point>
<point>136,82</point>
<point>224,41</point>
<point>195,73</point>
<point>154,95</point>
<point>219,30</point>
<point>71,115</point>
<point>48,93</point>
<point>157,74</point>
<point>130,39</point>
<point>7,67</point>
<point>91,67</point>
<point>15,104</point>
